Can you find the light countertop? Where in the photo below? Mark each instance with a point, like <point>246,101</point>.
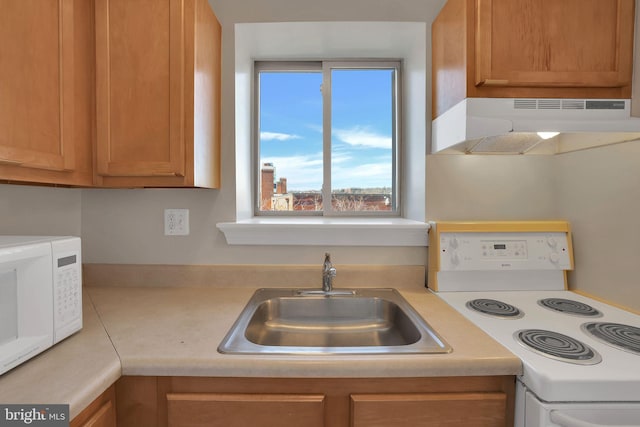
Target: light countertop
<point>176,331</point>
<point>163,331</point>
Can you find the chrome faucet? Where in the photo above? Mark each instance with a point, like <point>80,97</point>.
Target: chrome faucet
<point>328,273</point>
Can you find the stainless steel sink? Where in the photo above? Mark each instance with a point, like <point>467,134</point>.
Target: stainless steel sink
<point>363,321</point>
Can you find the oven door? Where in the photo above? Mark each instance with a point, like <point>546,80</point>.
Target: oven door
<point>532,412</point>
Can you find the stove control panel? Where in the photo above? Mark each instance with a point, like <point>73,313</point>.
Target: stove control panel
<point>503,249</point>
<point>473,251</point>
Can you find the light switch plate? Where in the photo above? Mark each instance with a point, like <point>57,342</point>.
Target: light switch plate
<point>176,222</point>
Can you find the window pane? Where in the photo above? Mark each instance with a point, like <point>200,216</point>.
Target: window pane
<point>362,140</point>
<point>290,155</point>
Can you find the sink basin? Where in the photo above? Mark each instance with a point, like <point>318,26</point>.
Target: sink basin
<point>363,321</point>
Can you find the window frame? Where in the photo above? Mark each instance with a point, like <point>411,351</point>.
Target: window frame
<point>325,66</point>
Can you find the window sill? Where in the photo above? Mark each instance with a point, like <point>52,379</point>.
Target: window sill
<point>326,231</point>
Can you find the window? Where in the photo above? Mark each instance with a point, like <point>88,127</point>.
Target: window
<point>299,41</point>
<point>327,130</point>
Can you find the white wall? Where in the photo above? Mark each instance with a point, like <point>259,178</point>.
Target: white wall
<point>600,195</point>
<point>126,226</point>
<point>502,187</point>
<point>39,210</point>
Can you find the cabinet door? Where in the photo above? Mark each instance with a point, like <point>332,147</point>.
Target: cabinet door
<point>140,87</point>
<point>241,410</point>
<point>36,84</point>
<point>429,409</point>
<point>560,43</point>
<point>100,413</point>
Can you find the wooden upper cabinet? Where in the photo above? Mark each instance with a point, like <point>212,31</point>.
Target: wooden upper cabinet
<point>45,85</point>
<point>566,43</point>
<point>532,48</point>
<point>157,93</point>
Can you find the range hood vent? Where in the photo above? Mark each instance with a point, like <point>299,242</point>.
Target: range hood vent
<point>532,126</point>
<point>568,104</point>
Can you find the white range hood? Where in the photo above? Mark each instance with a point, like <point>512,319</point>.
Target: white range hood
<point>516,126</point>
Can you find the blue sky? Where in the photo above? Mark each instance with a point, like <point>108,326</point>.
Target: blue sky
<point>291,128</point>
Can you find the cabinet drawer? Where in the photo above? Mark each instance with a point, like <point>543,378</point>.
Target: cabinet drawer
<point>428,409</point>
<point>241,410</point>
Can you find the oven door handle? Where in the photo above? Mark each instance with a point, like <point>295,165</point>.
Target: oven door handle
<point>565,420</point>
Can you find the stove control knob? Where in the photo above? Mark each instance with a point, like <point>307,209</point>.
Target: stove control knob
<point>453,243</point>
<point>455,259</point>
<point>554,257</point>
<point>552,242</point>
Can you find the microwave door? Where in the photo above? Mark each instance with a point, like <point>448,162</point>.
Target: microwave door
<point>26,297</point>
<point>8,306</point>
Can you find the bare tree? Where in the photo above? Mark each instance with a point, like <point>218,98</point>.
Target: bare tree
<point>349,202</point>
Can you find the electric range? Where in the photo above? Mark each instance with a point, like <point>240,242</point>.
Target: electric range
<point>580,356</point>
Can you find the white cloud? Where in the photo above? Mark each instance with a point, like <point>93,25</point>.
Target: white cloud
<point>363,176</point>
<point>341,157</point>
<point>315,128</point>
<point>270,136</point>
<point>360,136</point>
<point>303,172</point>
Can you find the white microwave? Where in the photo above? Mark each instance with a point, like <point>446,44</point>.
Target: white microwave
<point>40,295</point>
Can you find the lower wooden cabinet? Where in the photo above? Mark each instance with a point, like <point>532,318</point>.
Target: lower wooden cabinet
<point>100,413</point>
<point>330,402</point>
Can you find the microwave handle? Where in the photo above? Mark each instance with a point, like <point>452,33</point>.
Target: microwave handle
<point>565,420</point>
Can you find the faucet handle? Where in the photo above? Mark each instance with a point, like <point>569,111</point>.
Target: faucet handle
<point>328,273</point>
<point>328,268</point>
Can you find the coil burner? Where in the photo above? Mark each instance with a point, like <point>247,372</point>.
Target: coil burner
<point>557,346</point>
<point>623,337</point>
<point>495,308</point>
<point>571,307</point>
